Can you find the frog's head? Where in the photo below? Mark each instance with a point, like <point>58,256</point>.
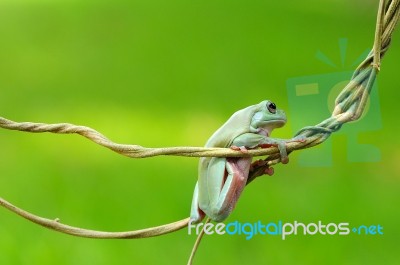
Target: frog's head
<point>267,118</point>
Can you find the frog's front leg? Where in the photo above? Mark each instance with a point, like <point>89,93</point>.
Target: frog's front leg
<point>281,144</point>
<point>248,140</point>
<point>253,140</point>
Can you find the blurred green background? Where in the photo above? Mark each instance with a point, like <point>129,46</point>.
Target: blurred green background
<point>169,73</point>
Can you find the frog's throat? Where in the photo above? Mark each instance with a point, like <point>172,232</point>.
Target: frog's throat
<point>266,128</point>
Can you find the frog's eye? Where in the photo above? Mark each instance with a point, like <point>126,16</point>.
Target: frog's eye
<point>271,107</point>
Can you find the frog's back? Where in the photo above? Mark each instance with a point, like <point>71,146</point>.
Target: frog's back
<point>237,124</point>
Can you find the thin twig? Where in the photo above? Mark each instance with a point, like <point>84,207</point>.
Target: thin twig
<point>378,35</point>
<point>135,151</point>
<point>75,231</point>
<point>197,243</point>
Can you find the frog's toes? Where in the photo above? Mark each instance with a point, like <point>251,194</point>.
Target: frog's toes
<point>234,147</point>
<point>239,148</point>
<point>285,160</point>
<point>260,162</point>
<point>269,171</point>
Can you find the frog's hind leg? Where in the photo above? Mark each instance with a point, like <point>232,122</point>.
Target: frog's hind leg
<point>237,171</point>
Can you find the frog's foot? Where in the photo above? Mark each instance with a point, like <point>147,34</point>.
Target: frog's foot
<point>283,152</point>
<point>256,164</point>
<point>269,171</point>
<point>260,162</point>
<point>239,148</point>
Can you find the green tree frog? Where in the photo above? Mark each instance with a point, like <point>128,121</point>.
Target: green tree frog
<point>221,180</point>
